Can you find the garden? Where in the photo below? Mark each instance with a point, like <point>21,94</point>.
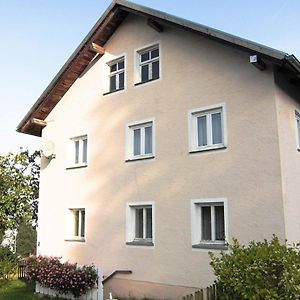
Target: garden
<point>62,279</point>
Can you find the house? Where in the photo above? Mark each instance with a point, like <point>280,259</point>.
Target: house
<point>162,140</point>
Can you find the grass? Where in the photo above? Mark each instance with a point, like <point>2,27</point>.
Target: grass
<point>18,290</point>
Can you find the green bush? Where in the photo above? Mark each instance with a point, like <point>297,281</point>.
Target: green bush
<point>8,263</point>
<point>262,270</point>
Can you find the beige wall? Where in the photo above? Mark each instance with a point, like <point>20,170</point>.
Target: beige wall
<point>287,101</point>
<point>196,72</point>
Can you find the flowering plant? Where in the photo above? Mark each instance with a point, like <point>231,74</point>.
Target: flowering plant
<point>64,277</point>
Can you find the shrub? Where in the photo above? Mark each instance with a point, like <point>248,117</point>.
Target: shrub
<point>64,277</point>
<point>262,270</point>
<point>8,263</point>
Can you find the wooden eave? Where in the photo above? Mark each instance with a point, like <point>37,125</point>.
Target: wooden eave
<point>72,69</point>
<point>94,42</point>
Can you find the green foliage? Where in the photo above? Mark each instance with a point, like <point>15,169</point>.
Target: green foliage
<point>262,270</point>
<point>19,185</point>
<point>8,263</point>
<point>26,240</point>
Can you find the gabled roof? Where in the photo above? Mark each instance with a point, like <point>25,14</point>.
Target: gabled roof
<point>33,123</point>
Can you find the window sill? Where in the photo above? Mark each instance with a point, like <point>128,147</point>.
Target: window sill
<point>210,246</point>
<point>111,92</point>
<point>140,243</point>
<point>81,240</point>
<point>77,166</point>
<point>142,82</point>
<point>207,149</point>
<point>139,158</point>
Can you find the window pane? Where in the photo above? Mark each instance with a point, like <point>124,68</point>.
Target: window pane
<point>154,53</point>
<point>121,80</point>
<point>121,65</point>
<point>206,223</point>
<point>112,80</point>
<point>202,131</point>
<point>155,70</point>
<point>216,128</point>
<point>145,73</point>
<point>84,151</point>
<point>137,141</point>
<point>148,140</point>
<point>113,68</point>
<point>144,56</point>
<point>139,223</point>
<point>82,231</point>
<point>149,223</point>
<point>219,219</point>
<point>76,222</point>
<point>76,152</point>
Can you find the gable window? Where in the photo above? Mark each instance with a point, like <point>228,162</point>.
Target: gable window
<point>79,154</point>
<point>207,128</point>
<point>297,118</point>
<point>209,223</point>
<point>149,63</point>
<point>116,75</point>
<point>77,224</point>
<point>140,224</point>
<point>140,143</point>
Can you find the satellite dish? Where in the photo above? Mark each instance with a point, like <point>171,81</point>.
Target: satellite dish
<point>47,149</point>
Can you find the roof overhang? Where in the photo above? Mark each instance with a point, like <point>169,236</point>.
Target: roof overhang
<point>100,34</point>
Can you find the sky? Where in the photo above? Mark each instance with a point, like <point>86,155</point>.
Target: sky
<point>38,36</point>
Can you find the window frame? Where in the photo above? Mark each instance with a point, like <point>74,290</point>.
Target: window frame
<point>297,128</point>
<point>116,73</point>
<point>130,127</point>
<point>196,224</point>
<point>207,111</point>
<point>138,52</point>
<point>131,239</point>
<point>71,237</point>
<point>72,152</point>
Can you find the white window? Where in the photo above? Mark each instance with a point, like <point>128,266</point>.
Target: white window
<point>139,223</point>
<point>116,74</point>
<point>140,140</point>
<point>209,223</point>
<point>77,223</point>
<point>79,151</point>
<point>207,128</point>
<point>149,65</point>
<point>297,118</point>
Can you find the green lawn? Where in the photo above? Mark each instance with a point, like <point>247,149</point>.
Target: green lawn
<point>18,290</point>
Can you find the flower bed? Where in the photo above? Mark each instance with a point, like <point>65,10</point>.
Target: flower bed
<point>66,278</point>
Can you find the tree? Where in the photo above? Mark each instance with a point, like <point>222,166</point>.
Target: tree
<point>26,240</point>
<point>261,270</point>
<point>19,186</point>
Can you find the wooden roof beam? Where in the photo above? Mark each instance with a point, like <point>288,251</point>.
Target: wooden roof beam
<point>155,25</point>
<point>96,48</point>
<point>38,122</point>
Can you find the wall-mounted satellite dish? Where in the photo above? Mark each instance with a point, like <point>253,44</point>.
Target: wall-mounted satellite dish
<point>48,149</point>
